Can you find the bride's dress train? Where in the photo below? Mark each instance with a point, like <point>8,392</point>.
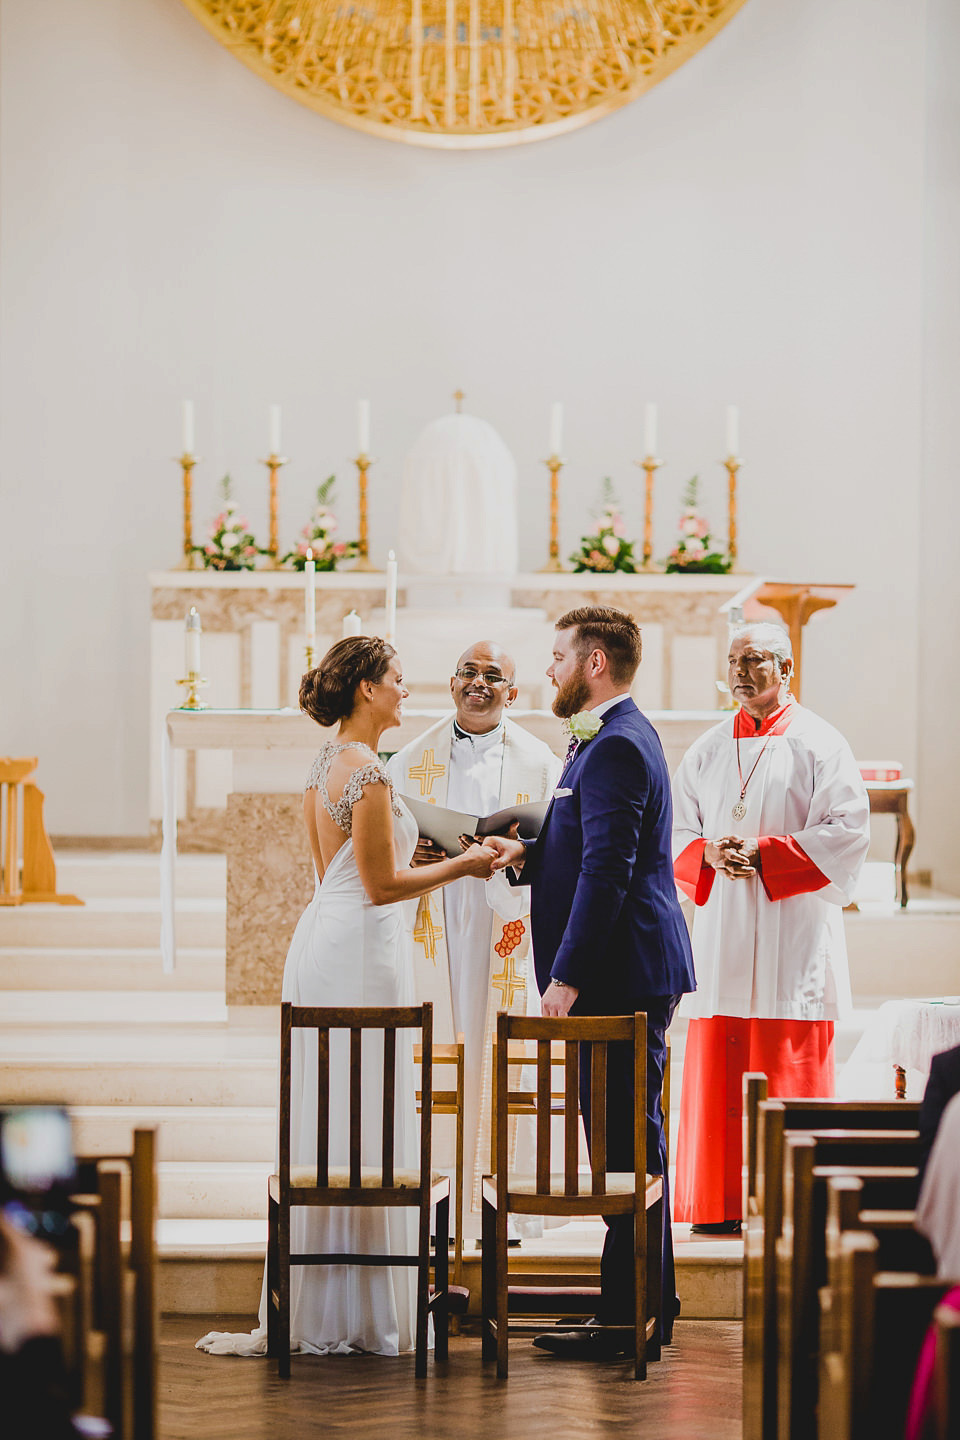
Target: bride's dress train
<point>346,951</point>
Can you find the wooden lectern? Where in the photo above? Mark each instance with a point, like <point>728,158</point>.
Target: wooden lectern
<point>794,602</point>
<point>39,874</point>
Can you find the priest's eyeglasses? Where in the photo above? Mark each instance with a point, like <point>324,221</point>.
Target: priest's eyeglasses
<point>492,678</point>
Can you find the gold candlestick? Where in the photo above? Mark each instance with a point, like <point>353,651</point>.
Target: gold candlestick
<point>733,465</point>
<point>190,559</point>
<point>363,463</point>
<point>310,660</point>
<point>273,463</point>
<point>553,566</point>
<point>650,467</point>
<point>194,681</point>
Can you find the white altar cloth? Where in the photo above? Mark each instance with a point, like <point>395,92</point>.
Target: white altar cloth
<point>902,1032</point>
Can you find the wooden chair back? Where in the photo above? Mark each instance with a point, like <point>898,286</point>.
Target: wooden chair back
<point>448,1099</point>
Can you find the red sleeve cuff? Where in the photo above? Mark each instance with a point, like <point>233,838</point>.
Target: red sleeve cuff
<point>786,870</point>
<point>692,875</point>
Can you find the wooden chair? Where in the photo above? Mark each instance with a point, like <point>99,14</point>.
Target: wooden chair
<point>119,1192</point>
<point>802,1255</point>
<point>873,1326</point>
<point>766,1123</point>
<point>566,1193</point>
<point>353,1185</point>
<point>450,1101</point>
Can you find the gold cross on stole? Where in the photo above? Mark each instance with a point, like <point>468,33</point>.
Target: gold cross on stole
<point>509,983</point>
<point>425,932</point>
<point>426,772</point>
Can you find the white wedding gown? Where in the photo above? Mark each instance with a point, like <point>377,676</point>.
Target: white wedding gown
<point>347,951</point>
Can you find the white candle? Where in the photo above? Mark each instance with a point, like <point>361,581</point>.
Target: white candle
<point>650,430</point>
<point>274,429</point>
<point>556,428</point>
<point>363,426</point>
<point>188,436</point>
<point>351,624</point>
<point>390,623</point>
<point>733,430</point>
<point>310,600</point>
<point>193,634</point>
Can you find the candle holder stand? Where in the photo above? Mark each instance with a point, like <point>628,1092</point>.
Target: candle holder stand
<point>363,463</point>
<point>309,652</point>
<point>650,467</point>
<point>273,463</point>
<point>193,682</point>
<point>732,466</point>
<point>190,561</point>
<point>553,566</point>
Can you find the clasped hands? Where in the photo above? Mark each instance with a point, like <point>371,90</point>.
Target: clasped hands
<point>733,856</point>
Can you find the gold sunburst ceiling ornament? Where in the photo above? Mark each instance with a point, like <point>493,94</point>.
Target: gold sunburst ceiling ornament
<point>463,73</point>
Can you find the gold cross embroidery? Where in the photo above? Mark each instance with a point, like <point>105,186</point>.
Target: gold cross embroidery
<point>426,772</point>
<point>509,983</point>
<point>522,799</point>
<point>425,932</point>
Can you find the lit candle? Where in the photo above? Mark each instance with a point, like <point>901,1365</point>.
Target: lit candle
<point>650,430</point>
<point>556,428</point>
<point>310,600</point>
<point>274,429</point>
<point>193,634</point>
<point>733,430</point>
<point>390,623</point>
<point>188,436</point>
<point>351,624</point>
<point>363,426</point>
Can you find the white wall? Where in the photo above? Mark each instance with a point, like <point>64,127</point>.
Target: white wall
<point>752,230</point>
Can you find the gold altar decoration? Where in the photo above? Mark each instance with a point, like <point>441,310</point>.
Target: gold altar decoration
<point>554,465</point>
<point>192,682</point>
<point>650,468</point>
<point>462,74</point>
<point>273,463</point>
<point>363,463</point>
<point>733,466</point>
<point>186,463</point>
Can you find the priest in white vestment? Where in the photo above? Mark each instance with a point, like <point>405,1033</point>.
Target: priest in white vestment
<point>472,942</point>
<point>771,828</point>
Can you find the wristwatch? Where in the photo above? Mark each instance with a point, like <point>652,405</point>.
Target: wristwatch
<point>560,984</point>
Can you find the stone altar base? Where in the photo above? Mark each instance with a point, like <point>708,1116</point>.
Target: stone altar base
<point>270,880</point>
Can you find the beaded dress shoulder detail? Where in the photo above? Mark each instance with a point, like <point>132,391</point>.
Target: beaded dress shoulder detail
<point>373,773</point>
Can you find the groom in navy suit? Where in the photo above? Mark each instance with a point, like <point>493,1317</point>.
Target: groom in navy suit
<point>608,934</point>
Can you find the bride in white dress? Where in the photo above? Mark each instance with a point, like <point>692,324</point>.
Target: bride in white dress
<point>350,947</point>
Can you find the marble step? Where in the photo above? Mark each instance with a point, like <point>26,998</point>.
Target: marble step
<point>112,1007</point>
<point>210,1267</point>
<point>93,875</point>
<point>205,1133</point>
<point>902,954</point>
<point>211,1190</point>
<point>106,968</point>
<point>127,923</point>
<point>148,1078</point>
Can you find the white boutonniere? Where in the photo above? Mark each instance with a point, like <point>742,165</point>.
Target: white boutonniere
<point>584,725</point>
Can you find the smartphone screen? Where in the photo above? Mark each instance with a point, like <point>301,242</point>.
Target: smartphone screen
<point>37,1168</point>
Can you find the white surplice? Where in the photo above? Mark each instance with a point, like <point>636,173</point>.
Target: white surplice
<point>347,951</point>
<point>783,960</point>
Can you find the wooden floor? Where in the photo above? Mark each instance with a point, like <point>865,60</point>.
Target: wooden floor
<point>693,1392</point>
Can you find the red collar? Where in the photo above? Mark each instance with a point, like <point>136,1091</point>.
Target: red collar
<point>774,724</point>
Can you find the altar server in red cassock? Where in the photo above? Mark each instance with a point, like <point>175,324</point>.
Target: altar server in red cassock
<point>771,827</point>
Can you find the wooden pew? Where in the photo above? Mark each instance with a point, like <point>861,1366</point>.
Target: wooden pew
<point>873,1325</point>
<point>766,1123</point>
<point>947,1378</point>
<point>810,1189</point>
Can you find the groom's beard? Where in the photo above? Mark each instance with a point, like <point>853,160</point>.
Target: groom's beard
<point>572,695</point>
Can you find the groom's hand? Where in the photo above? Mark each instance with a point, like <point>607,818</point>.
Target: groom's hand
<point>509,852</point>
<point>558,1000</point>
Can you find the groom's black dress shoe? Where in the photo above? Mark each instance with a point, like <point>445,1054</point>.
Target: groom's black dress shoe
<point>586,1343</point>
<point>718,1227</point>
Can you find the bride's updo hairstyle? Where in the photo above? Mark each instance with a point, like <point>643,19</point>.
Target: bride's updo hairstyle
<point>328,693</point>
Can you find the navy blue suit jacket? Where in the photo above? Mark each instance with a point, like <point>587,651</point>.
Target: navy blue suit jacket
<point>604,910</point>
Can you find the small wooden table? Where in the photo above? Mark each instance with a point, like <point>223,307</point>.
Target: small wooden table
<point>889,797</point>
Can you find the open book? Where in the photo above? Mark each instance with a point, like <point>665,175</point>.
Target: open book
<point>444,827</point>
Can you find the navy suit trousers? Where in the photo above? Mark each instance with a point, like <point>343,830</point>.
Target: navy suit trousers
<point>616,1265</point>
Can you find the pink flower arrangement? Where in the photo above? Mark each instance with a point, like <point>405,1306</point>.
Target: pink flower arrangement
<point>604,547</point>
<point>694,551</point>
<point>317,535</point>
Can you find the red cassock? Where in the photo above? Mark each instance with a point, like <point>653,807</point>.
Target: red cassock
<point>795,1055</point>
